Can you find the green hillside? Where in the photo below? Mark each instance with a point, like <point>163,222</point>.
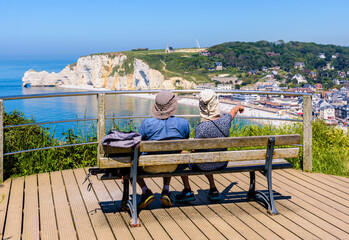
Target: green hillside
<point>238,58</point>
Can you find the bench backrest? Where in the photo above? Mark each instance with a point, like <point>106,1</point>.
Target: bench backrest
<point>199,144</point>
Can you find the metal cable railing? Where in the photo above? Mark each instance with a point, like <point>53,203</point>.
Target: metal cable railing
<point>307,118</point>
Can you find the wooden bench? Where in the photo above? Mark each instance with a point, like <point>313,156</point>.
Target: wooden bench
<point>263,160</point>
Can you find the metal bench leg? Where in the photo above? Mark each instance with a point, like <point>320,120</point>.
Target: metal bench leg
<point>125,195</point>
<point>133,204</point>
<point>252,193</point>
<point>269,166</point>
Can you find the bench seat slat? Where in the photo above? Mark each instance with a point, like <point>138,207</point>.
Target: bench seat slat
<point>206,157</point>
<point>212,143</point>
<point>114,162</point>
<point>183,158</point>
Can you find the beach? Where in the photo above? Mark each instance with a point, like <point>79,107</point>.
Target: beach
<point>226,107</point>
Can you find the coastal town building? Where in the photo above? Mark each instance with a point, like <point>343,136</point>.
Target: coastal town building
<point>336,81</point>
<point>273,87</point>
<point>169,49</point>
<point>328,67</point>
<point>246,97</point>
<point>203,86</point>
<point>231,80</point>
<point>327,111</point>
<point>318,86</point>
<point>322,56</point>
<point>205,53</point>
<point>299,65</point>
<point>300,79</point>
<point>313,74</point>
<point>225,87</point>
<point>344,112</point>
<point>218,66</point>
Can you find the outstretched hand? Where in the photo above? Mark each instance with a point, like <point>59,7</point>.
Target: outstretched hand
<point>237,109</point>
<point>241,109</point>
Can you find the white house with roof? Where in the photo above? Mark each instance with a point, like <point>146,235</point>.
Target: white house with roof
<point>299,78</point>
<point>322,55</point>
<point>299,65</point>
<point>327,111</point>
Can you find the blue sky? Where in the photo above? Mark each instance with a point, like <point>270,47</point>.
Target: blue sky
<point>69,29</point>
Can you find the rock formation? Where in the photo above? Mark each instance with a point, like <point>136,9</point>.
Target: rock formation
<point>110,71</point>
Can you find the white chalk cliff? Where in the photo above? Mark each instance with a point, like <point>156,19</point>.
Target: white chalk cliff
<point>111,71</point>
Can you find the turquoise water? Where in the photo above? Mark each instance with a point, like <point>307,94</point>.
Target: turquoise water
<point>65,108</point>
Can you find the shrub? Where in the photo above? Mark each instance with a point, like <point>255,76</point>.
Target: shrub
<point>31,137</point>
<point>330,145</point>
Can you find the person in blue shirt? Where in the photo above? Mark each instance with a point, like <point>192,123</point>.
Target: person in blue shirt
<point>162,126</point>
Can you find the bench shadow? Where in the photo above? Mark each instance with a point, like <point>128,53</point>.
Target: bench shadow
<point>109,206</point>
<point>227,196</point>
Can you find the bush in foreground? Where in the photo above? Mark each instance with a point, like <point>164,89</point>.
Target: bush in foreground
<point>31,137</point>
<point>330,146</point>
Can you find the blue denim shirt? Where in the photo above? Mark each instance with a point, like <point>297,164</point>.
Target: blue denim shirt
<point>164,129</point>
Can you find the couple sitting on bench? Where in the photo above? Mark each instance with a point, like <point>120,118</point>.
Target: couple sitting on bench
<point>165,126</point>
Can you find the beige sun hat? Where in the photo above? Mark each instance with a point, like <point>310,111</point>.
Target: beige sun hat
<point>209,105</point>
<point>165,105</point>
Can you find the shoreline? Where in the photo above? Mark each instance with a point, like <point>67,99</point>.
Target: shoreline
<point>225,107</point>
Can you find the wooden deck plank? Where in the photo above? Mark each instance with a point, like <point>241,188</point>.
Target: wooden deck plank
<point>177,215</point>
<point>241,209</point>
<point>303,207</point>
<point>116,196</point>
<point>320,197</point>
<point>343,179</point>
<point>231,219</point>
<point>314,179</point>
<point>118,226</point>
<point>165,218</point>
<point>307,214</point>
<point>81,219</point>
<point>238,210</point>
<point>13,226</point>
<point>4,197</point>
<point>64,217</point>
<point>206,219</point>
<point>336,228</point>
<point>228,224</point>
<point>47,213</point>
<point>307,228</point>
<point>150,222</point>
<point>98,219</point>
<point>186,224</point>
<point>329,193</point>
<point>272,223</point>
<point>31,209</point>
<point>338,181</point>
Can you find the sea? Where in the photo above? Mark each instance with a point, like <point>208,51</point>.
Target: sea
<point>68,108</point>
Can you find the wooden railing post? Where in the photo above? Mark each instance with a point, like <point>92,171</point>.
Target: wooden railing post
<point>1,141</point>
<point>307,133</point>
<point>100,124</point>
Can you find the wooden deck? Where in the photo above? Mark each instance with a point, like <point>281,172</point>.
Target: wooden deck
<point>56,206</point>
